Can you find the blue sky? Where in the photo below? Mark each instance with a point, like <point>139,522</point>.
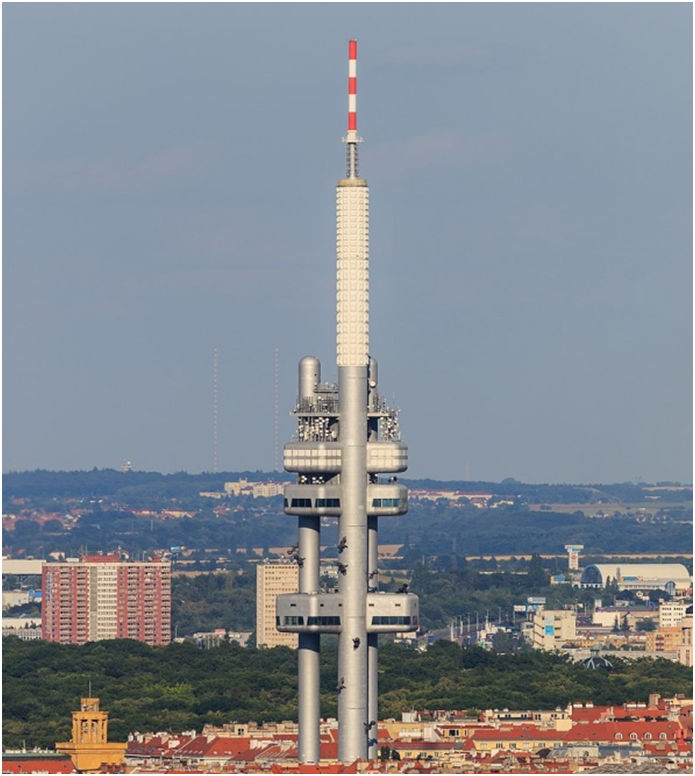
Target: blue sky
<point>169,174</point>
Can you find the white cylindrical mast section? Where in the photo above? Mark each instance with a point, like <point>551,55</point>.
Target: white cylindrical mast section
<point>353,272</point>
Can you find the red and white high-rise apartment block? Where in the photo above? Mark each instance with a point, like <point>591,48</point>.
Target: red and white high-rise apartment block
<point>103,597</point>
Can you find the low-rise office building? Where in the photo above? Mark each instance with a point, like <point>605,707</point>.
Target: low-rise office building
<point>553,628</point>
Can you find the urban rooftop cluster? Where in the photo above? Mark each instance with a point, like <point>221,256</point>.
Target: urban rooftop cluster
<point>634,737</point>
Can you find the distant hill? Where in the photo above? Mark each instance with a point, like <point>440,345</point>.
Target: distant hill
<point>48,511</point>
<point>97,483</point>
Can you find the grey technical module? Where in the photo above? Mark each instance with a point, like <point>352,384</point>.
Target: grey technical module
<point>346,437</point>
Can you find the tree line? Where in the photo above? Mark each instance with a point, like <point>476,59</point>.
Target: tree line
<point>96,483</point>
<point>180,687</point>
<point>427,529</point>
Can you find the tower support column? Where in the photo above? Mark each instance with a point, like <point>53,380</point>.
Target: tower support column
<point>352,641</point>
<point>372,643</point>
<point>309,654</point>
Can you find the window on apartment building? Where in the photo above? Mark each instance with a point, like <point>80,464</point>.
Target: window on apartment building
<point>662,736</point>
<point>633,736</point>
<point>618,736</point>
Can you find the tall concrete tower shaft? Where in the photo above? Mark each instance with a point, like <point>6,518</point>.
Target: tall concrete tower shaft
<point>352,347</point>
<point>346,435</point>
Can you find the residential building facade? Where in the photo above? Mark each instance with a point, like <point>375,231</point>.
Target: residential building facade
<point>103,597</point>
<point>553,628</point>
<point>274,578</point>
<point>671,613</point>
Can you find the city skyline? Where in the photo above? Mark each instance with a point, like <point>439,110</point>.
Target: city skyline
<point>532,165</point>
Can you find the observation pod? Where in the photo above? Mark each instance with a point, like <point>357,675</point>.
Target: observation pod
<point>347,438</point>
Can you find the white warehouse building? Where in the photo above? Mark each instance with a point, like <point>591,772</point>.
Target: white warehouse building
<point>671,577</point>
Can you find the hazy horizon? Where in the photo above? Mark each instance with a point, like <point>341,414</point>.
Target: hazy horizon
<point>406,478</point>
<point>169,174</point>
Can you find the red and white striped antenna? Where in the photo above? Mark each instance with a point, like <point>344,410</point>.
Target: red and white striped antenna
<point>351,138</point>
<point>352,92</point>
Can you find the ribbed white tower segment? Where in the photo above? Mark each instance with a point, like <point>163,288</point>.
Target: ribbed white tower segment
<point>352,244</point>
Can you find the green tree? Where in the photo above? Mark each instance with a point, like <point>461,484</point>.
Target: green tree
<point>536,575</point>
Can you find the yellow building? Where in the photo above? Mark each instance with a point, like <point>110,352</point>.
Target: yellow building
<point>89,749</point>
<point>664,640</point>
<point>274,578</point>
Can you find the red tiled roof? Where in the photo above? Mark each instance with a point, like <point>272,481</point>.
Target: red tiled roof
<point>588,714</point>
<point>658,747</point>
<point>23,764</point>
<point>607,731</point>
<point>276,751</point>
<point>528,731</point>
<point>155,746</point>
<point>194,746</point>
<point>227,746</point>
<point>422,745</point>
<point>597,713</point>
<point>217,746</point>
<point>314,769</point>
<point>620,712</point>
<point>244,756</point>
<point>596,731</point>
<point>329,750</point>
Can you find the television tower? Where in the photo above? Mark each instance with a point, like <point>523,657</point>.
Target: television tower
<point>346,437</point>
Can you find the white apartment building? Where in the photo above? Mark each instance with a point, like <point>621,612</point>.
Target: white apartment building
<point>671,614</point>
<point>255,489</point>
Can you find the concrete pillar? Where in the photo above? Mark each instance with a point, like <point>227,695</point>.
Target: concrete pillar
<point>352,641</point>
<point>309,654</point>
<point>372,644</point>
